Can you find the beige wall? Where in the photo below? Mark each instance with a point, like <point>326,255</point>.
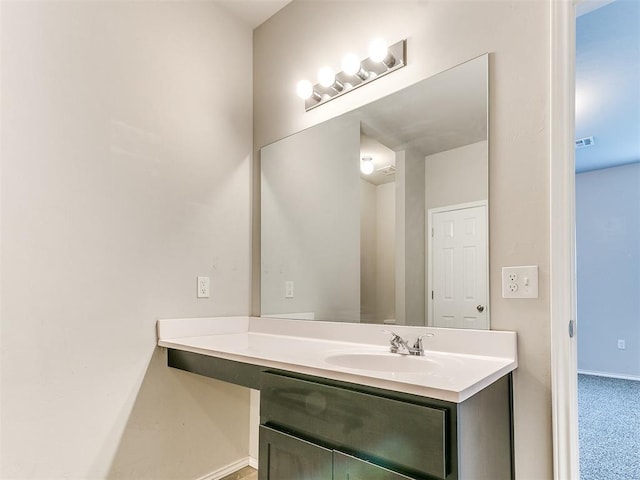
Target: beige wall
<point>311,222</point>
<point>368,251</point>
<point>457,176</point>
<point>125,174</point>
<point>306,35</point>
<point>410,242</point>
<point>386,248</point>
<point>377,252</point>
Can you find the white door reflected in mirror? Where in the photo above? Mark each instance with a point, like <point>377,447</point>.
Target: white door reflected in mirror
<point>457,267</point>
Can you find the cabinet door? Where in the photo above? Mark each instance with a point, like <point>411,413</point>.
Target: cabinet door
<point>284,457</point>
<point>346,467</point>
<point>411,436</point>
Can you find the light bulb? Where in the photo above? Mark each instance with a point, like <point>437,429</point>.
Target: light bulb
<point>378,50</point>
<point>366,165</point>
<point>351,64</point>
<point>304,89</point>
<point>326,77</point>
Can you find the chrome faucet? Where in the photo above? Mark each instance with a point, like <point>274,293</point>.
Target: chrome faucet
<point>400,345</point>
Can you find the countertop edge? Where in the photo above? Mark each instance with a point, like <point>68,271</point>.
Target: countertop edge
<point>398,386</point>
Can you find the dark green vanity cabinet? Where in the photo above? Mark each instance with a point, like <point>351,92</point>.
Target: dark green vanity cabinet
<point>284,456</point>
<point>314,428</point>
<point>346,467</point>
<point>317,429</point>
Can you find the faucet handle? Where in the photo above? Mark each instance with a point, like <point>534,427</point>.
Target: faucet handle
<point>398,345</point>
<point>395,338</point>
<point>393,334</point>
<point>418,345</point>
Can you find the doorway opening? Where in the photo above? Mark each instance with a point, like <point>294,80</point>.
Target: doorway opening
<point>607,157</point>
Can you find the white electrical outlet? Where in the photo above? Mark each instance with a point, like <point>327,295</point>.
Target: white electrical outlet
<point>203,287</point>
<point>621,345</point>
<point>288,289</point>
<point>520,282</point>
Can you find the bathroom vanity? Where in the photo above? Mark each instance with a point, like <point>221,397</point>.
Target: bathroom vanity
<point>316,428</point>
<point>335,404</point>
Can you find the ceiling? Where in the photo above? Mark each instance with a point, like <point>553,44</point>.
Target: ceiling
<point>608,85</point>
<point>445,111</point>
<point>440,113</point>
<point>252,12</point>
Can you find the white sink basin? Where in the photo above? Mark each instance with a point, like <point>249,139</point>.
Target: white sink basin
<point>384,362</point>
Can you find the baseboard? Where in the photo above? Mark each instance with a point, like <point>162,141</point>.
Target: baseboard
<point>610,375</point>
<point>253,462</point>
<point>229,469</point>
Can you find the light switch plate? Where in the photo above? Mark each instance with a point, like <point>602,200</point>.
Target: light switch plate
<point>520,282</point>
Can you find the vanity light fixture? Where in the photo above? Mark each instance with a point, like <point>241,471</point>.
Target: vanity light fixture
<point>379,52</point>
<point>328,79</point>
<point>352,66</point>
<point>305,90</point>
<point>383,59</point>
<point>366,165</point>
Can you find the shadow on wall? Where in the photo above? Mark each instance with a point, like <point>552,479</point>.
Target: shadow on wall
<point>181,426</point>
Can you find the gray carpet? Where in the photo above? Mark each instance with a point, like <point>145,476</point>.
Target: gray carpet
<point>609,428</point>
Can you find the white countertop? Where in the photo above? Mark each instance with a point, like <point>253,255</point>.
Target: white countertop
<point>471,359</point>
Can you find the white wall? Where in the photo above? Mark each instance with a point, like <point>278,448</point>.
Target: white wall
<point>608,266</point>
<point>125,173</point>
<point>295,42</point>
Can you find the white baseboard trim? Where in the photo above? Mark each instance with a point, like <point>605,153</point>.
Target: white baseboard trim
<point>229,469</point>
<point>253,462</point>
<point>610,375</point>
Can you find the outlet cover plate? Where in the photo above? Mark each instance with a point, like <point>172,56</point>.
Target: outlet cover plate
<point>203,287</point>
<point>288,289</point>
<point>520,282</point>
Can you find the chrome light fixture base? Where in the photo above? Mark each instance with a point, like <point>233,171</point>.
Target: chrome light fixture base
<point>370,70</point>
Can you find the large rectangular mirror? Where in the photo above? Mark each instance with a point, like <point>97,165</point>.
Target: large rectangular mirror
<point>380,215</point>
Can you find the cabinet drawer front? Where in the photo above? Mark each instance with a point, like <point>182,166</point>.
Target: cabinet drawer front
<point>394,433</point>
<point>346,467</point>
<point>283,457</point>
